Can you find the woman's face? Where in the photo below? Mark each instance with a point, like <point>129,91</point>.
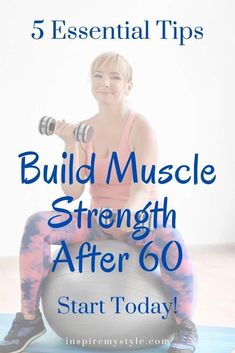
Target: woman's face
<point>109,85</point>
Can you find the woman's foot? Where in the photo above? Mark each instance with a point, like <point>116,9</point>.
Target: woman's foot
<point>22,333</point>
<point>185,339</point>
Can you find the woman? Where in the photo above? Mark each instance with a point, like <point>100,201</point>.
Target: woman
<point>116,128</point>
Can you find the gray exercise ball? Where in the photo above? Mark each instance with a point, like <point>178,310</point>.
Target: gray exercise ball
<point>114,319</point>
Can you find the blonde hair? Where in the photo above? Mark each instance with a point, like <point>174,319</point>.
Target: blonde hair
<point>112,59</point>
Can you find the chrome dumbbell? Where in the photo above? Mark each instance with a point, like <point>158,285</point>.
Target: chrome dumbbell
<point>107,212</point>
<point>82,132</point>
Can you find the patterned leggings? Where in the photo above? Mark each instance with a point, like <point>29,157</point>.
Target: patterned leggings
<point>35,258</point>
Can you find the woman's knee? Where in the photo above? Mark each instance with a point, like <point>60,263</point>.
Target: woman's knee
<point>164,235</point>
<point>33,227</point>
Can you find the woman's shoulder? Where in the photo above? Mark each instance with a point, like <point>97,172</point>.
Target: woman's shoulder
<point>90,121</point>
<point>141,125</point>
<point>142,133</point>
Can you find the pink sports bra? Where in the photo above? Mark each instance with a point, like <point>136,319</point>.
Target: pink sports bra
<point>115,194</point>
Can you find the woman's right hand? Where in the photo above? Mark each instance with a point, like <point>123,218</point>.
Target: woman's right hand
<point>65,131</point>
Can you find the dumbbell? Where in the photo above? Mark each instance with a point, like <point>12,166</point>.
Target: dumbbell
<point>149,223</point>
<point>82,132</point>
<point>109,220</point>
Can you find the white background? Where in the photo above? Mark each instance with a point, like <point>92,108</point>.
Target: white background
<point>185,91</point>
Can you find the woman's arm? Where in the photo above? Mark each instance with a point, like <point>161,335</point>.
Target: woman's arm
<point>65,132</point>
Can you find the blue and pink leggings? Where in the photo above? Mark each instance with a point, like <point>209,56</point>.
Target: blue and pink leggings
<point>35,258</point>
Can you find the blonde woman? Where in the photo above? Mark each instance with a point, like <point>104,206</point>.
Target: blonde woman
<point>116,128</point>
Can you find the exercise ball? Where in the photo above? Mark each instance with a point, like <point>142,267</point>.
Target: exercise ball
<point>116,319</point>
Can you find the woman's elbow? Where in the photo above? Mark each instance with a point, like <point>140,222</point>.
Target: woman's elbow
<point>75,193</point>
